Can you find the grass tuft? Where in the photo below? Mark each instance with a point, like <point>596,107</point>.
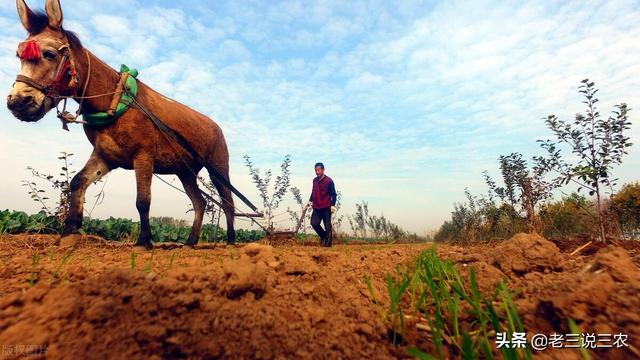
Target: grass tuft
<point>459,319</point>
<point>33,276</point>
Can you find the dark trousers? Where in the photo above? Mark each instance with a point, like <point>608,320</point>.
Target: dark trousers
<point>323,215</point>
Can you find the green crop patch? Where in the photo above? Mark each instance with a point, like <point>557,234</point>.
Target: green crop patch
<point>449,313</point>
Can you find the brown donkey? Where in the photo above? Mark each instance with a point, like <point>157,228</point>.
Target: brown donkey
<point>55,66</point>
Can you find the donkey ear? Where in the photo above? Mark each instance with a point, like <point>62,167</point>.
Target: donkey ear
<point>54,13</point>
<point>24,13</point>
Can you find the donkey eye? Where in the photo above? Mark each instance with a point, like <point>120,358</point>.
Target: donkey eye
<point>49,55</point>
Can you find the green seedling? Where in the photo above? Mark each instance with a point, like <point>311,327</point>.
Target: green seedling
<point>172,259</point>
<point>438,295</point>
<point>35,260</point>
<point>52,255</point>
<point>134,256</point>
<point>148,267</point>
<point>573,327</point>
<point>65,259</point>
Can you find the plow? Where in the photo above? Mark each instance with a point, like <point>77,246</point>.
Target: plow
<point>281,235</point>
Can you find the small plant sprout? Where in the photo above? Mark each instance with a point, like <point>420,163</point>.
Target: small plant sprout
<point>64,261</point>
<point>172,260</point>
<point>148,267</point>
<point>33,276</point>
<point>134,255</point>
<point>439,299</point>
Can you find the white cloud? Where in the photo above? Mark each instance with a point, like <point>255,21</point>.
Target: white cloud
<point>116,28</point>
<point>364,81</point>
<point>234,50</point>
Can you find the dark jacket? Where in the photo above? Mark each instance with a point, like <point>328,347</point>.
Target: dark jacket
<point>324,193</point>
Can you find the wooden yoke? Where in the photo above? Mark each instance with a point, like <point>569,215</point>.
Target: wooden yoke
<point>116,96</point>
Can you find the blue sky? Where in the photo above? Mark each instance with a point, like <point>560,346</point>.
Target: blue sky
<point>405,102</point>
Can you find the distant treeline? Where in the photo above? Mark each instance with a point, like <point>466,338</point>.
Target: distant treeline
<point>524,199</point>
<point>573,216</point>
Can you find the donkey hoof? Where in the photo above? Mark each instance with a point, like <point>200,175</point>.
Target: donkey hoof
<point>69,241</point>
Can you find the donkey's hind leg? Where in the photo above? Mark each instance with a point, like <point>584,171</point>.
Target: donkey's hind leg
<point>227,204</point>
<point>143,166</point>
<point>190,184</point>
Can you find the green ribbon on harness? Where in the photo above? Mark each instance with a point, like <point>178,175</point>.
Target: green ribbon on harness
<point>102,118</point>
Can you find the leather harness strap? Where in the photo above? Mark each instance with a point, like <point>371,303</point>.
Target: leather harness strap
<point>58,85</point>
<point>29,81</point>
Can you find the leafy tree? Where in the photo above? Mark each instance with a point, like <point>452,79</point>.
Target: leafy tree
<point>358,221</point>
<point>339,217</point>
<point>465,223</point>
<point>501,220</point>
<point>377,227</point>
<point>524,188</point>
<point>468,216</point>
<point>271,198</point>
<point>480,218</point>
<point>598,144</point>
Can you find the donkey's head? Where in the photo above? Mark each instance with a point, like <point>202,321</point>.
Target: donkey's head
<point>47,68</point>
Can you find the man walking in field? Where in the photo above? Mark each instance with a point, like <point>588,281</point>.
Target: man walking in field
<point>323,200</point>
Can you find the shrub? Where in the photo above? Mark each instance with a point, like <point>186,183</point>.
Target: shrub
<point>626,205</point>
<point>163,229</point>
<point>569,217</point>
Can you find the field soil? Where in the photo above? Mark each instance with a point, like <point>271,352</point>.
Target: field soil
<point>108,300</point>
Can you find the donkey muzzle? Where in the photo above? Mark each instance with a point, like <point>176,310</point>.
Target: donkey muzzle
<point>24,107</point>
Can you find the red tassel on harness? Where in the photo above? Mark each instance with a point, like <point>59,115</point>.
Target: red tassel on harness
<point>31,51</point>
<point>62,82</point>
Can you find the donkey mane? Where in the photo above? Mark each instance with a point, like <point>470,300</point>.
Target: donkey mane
<point>40,21</point>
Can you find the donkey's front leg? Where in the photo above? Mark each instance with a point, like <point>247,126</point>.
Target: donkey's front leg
<point>143,166</point>
<point>92,171</point>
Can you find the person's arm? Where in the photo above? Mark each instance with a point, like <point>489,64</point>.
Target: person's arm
<point>332,192</point>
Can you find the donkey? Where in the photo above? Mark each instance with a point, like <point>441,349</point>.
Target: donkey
<point>55,66</point>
